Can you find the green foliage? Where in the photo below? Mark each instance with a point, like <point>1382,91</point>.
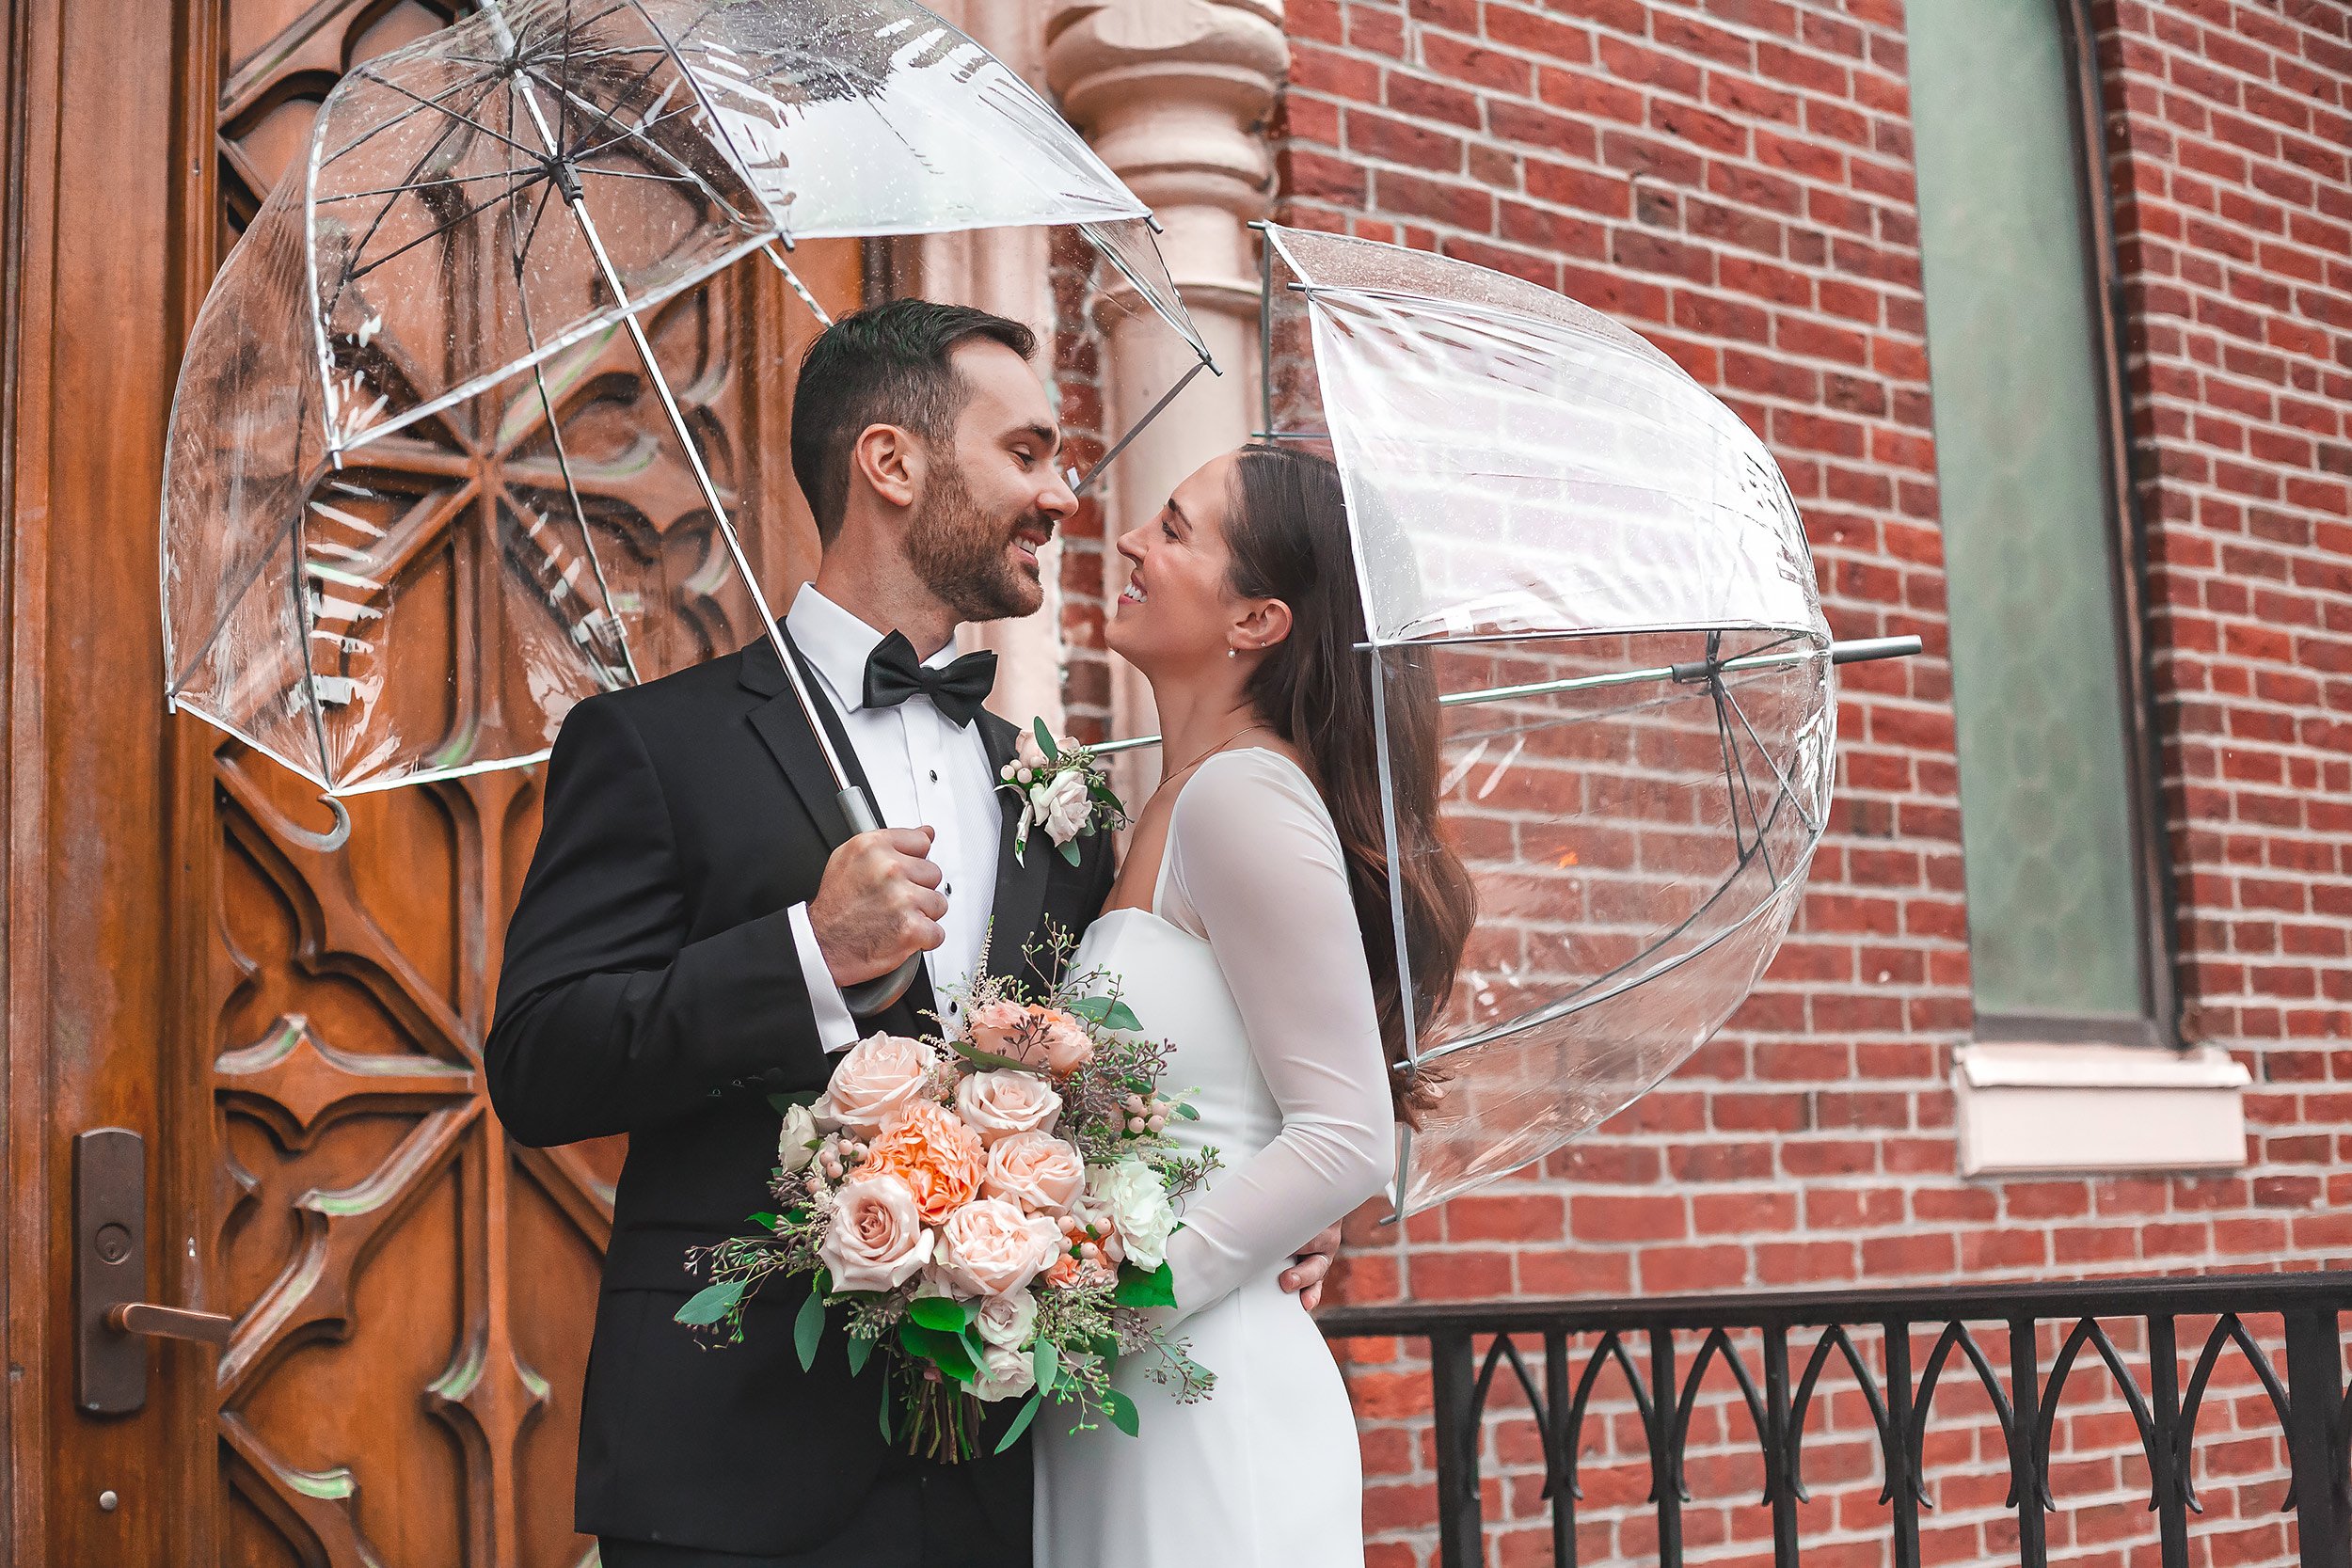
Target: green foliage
<point>1122,1410</point>
<point>1021,1423</point>
<point>710,1303</point>
<point>948,1317</point>
<point>1137,1288</point>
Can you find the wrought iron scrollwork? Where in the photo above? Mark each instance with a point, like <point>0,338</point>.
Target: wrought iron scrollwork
<point>2313,1403</point>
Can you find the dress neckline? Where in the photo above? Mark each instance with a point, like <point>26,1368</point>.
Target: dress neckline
<point>1168,840</point>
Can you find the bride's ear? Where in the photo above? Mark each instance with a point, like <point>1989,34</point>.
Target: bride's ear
<point>1264,624</point>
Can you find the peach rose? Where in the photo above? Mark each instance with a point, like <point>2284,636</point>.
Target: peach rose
<point>939,1159</point>
<point>1060,1041</point>
<point>1035,1170</point>
<point>997,1027</point>
<point>990,1248</point>
<point>998,1104</point>
<point>874,1082</point>
<point>877,1239</point>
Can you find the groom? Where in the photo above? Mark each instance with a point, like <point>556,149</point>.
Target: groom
<point>696,907</point>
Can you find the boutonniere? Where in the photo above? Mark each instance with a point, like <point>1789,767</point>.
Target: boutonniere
<point>1063,787</point>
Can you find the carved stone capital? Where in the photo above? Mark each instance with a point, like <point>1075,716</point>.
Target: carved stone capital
<point>1174,94</point>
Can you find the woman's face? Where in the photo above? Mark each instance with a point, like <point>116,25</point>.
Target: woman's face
<point>1178,612</point>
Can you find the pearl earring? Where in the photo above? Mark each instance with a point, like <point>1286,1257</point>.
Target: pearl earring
<point>1232,653</point>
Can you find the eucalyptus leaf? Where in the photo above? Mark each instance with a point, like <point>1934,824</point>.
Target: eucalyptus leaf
<point>1019,1423</point>
<point>1093,1009</point>
<point>1046,1361</point>
<point>711,1303</point>
<point>1187,1113</point>
<point>1045,741</point>
<point>1122,1410</point>
<point>1123,1017</point>
<point>1070,851</point>
<point>764,1220</point>
<point>888,1392</point>
<point>861,1351</point>
<point>808,1329</point>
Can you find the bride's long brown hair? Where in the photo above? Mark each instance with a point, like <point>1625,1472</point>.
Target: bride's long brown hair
<point>1288,537</point>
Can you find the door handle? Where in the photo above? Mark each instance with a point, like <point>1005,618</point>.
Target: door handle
<point>113,1323</point>
<point>170,1323</point>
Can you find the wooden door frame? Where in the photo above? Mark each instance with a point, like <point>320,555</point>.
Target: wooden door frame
<point>27,152</point>
<point>53,50</point>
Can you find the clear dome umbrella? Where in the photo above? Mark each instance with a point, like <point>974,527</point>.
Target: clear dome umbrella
<point>481,222</point>
<point>1587,578</point>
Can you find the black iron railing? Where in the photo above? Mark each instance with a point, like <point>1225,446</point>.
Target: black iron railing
<point>1638,1340</point>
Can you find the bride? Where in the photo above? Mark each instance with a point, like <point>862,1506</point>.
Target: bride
<point>1253,927</point>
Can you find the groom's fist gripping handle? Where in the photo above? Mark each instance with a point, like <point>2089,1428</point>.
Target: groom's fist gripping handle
<point>878,906</point>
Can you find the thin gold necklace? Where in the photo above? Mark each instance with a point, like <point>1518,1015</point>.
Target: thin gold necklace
<point>1255,724</point>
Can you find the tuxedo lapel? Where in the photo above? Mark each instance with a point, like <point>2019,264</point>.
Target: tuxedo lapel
<point>782,727</point>
<point>1020,887</point>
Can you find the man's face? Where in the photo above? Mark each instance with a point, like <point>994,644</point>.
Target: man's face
<point>991,494</point>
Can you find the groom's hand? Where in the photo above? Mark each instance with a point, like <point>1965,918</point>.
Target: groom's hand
<point>1314,1262</point>
<point>878,904</point>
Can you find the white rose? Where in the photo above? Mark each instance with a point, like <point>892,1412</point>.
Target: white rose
<point>1003,1375</point>
<point>1136,1202</point>
<point>1061,805</point>
<point>1005,1321</point>
<point>793,1151</point>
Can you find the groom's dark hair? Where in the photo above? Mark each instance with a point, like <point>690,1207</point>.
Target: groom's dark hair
<point>887,364</point>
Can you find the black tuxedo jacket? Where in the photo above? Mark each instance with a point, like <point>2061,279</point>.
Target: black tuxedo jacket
<point>651,988</point>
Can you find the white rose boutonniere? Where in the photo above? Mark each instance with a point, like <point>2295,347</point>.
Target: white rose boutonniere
<point>1063,788</point>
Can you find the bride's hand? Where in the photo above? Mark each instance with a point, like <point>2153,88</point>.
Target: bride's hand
<point>1306,1272</point>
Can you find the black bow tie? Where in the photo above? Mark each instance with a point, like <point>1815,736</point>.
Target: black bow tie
<point>893,675</point>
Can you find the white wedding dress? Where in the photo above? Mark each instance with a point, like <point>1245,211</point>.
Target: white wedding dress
<point>1250,964</point>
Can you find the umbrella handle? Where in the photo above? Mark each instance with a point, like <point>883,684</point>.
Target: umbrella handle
<point>868,997</point>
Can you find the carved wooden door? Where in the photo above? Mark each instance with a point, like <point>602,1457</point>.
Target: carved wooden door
<point>411,1291</point>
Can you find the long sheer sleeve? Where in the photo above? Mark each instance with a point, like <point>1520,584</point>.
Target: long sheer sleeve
<point>1254,866</point>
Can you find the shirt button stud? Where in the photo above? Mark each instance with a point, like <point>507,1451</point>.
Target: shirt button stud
<point>934,775</point>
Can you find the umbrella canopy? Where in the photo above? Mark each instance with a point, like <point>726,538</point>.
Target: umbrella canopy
<point>1595,574</point>
<point>482,219</point>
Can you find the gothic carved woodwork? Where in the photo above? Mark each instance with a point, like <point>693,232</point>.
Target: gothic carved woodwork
<point>412,1291</point>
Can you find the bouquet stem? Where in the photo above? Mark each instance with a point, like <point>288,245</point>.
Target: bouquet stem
<point>943,1421</point>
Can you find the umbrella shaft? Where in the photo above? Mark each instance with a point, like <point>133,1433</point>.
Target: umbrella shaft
<point>575,199</point>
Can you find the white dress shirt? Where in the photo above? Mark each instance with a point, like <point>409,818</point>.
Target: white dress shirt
<point>924,771</point>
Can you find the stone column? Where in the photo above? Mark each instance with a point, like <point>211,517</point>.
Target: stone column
<point>1174,95</point>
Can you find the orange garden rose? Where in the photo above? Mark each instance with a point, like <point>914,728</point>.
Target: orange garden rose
<point>937,1156</point>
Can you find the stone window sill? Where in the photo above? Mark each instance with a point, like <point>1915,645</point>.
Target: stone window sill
<point>2032,1109</point>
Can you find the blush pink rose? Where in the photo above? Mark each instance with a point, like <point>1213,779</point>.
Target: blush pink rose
<point>1035,1170</point>
<point>876,1241</point>
<point>1058,1041</point>
<point>990,1248</point>
<point>998,1027</point>
<point>874,1082</point>
<point>997,1105</point>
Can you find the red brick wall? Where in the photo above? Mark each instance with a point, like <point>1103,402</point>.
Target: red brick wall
<point>1733,179</point>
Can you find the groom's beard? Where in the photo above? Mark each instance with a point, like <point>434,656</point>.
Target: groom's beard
<point>966,558</point>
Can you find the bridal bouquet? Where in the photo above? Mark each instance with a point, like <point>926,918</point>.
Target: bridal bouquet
<point>991,1210</point>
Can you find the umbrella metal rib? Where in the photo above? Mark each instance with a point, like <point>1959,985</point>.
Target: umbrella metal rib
<point>874,995</point>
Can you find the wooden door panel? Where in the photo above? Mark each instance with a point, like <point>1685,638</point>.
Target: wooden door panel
<point>413,1292</point>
